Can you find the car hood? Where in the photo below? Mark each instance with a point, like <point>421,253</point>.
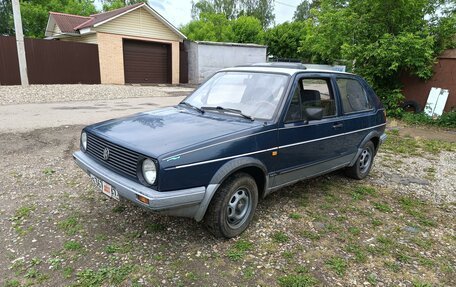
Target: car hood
<point>167,131</point>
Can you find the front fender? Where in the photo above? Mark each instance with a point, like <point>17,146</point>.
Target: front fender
<point>222,174</point>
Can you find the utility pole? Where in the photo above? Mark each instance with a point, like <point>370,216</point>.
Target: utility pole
<point>20,43</point>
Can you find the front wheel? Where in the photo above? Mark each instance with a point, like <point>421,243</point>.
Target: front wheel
<point>232,207</point>
<point>363,163</point>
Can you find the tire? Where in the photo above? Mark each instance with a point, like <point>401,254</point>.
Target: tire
<point>363,163</point>
<point>411,106</point>
<point>232,207</point>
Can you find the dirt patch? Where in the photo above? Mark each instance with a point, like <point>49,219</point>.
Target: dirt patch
<point>389,229</point>
<point>423,132</point>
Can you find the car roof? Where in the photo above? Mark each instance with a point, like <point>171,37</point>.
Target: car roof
<point>286,68</point>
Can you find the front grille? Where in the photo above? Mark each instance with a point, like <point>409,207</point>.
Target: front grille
<point>120,159</point>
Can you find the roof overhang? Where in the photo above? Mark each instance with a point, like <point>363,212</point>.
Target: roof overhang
<point>151,11</point>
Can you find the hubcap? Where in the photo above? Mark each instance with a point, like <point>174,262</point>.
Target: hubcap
<point>238,208</point>
<point>364,160</point>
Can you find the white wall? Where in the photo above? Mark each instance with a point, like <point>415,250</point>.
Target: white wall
<point>211,58</point>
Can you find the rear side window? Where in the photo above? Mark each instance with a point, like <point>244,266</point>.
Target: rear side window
<point>311,93</point>
<point>353,96</point>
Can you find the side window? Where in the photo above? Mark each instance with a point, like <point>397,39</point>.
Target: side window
<point>353,96</point>
<point>311,93</point>
<point>294,111</point>
<point>317,93</point>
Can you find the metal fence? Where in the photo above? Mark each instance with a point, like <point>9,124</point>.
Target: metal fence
<point>50,62</point>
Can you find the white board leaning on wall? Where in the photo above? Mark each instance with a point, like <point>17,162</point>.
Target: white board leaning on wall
<point>436,102</point>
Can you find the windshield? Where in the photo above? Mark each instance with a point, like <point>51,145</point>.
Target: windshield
<point>255,95</point>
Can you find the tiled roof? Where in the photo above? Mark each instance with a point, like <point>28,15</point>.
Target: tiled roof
<point>98,18</point>
<point>73,23</point>
<point>67,22</point>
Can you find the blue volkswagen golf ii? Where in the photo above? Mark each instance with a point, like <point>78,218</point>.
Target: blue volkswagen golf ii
<point>244,133</point>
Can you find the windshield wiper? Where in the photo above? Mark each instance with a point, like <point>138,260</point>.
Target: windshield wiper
<point>192,106</point>
<point>228,110</point>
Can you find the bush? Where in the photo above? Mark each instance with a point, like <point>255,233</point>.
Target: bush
<point>447,120</point>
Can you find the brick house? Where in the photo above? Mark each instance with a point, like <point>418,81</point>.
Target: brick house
<point>135,43</point>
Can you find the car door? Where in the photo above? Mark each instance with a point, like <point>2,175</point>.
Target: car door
<point>358,115</point>
<point>308,147</point>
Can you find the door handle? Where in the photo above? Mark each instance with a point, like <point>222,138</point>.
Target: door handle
<point>338,126</point>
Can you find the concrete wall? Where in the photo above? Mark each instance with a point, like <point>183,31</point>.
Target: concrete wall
<point>204,59</point>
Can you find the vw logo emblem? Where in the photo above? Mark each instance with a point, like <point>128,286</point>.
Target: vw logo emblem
<point>106,153</point>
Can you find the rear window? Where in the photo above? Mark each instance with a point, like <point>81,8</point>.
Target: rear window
<point>354,97</point>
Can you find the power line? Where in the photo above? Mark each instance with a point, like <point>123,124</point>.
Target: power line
<point>286,4</point>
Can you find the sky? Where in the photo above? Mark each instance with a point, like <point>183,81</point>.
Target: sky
<point>178,12</point>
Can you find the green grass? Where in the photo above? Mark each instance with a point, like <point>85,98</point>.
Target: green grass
<point>72,246</point>
<point>12,283</point>
<point>417,209</point>
<point>407,145</point>
<point>68,272</point>
<point>419,283</point>
<point>338,265</point>
<point>111,275</point>
<point>20,215</point>
<point>355,231</point>
<point>48,171</point>
<point>392,266</point>
<point>248,273</point>
<point>446,120</point>
<point>357,251</point>
<point>119,208</point>
<point>280,237</point>
<point>70,225</point>
<point>360,192</point>
<point>155,227</point>
<point>235,255</point>
<point>382,206</point>
<point>112,248</point>
<point>243,245</point>
<point>55,262</point>
<point>237,251</point>
<point>299,280</point>
<point>310,235</point>
<point>295,216</point>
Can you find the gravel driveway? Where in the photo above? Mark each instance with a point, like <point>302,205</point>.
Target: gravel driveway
<point>395,228</point>
<point>10,95</point>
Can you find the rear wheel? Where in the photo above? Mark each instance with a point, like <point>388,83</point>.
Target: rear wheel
<point>232,207</point>
<point>363,163</point>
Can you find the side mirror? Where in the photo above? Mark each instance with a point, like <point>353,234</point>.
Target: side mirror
<point>313,114</point>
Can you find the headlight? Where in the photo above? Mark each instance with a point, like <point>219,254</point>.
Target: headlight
<point>149,170</point>
<point>84,140</point>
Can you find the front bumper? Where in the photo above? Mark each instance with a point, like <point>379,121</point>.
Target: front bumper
<point>185,202</point>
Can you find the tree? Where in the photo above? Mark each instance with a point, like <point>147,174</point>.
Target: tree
<point>302,11</point>
<point>247,29</point>
<point>284,40</point>
<point>263,10</point>
<point>35,13</point>
<point>109,5</point>
<point>6,18</point>
<point>227,7</point>
<point>209,27</point>
<point>379,39</point>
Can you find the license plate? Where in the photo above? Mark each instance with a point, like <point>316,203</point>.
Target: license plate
<point>105,187</point>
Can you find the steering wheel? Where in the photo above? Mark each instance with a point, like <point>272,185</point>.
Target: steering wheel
<point>261,105</point>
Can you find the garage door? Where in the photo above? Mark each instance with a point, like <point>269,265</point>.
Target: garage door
<point>146,62</point>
